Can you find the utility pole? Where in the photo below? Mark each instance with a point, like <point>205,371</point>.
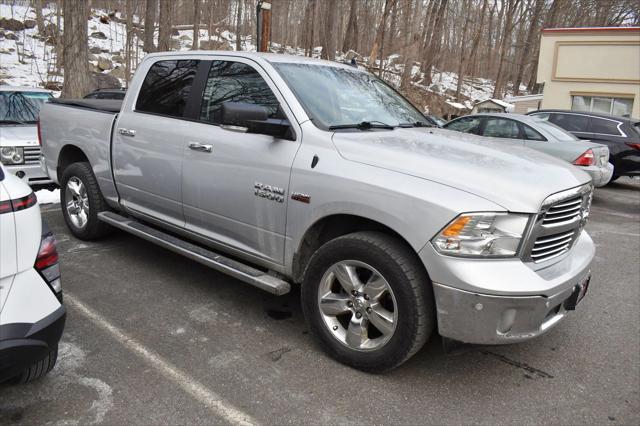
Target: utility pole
<point>263,10</point>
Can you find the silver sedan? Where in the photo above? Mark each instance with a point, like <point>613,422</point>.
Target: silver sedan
<point>540,135</point>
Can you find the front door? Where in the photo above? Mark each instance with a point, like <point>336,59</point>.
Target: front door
<point>235,185</point>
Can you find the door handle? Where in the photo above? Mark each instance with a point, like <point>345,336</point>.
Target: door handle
<point>196,146</point>
<point>127,132</point>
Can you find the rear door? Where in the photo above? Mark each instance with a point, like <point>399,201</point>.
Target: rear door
<point>149,140</point>
<point>235,191</point>
<point>579,125</point>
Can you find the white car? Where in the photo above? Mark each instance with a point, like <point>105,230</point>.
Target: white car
<point>32,315</point>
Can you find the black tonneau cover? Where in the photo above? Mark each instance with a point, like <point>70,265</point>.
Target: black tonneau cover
<point>105,105</point>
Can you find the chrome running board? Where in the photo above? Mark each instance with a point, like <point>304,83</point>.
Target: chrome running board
<point>213,260</point>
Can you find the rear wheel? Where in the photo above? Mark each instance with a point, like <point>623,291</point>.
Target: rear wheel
<point>81,201</point>
<point>40,368</point>
<point>368,299</point>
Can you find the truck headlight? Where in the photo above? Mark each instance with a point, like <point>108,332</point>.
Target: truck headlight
<point>11,155</point>
<point>482,235</point>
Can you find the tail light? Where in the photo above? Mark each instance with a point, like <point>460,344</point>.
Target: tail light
<point>39,132</point>
<point>18,204</point>
<point>633,145</point>
<point>586,159</point>
<point>47,263</point>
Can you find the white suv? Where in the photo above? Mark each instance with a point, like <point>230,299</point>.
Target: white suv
<point>32,316</point>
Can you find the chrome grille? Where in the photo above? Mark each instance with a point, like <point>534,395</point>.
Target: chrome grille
<point>31,154</point>
<point>551,246</point>
<point>564,211</point>
<point>558,224</point>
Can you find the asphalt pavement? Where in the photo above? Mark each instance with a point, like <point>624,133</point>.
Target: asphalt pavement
<point>154,338</point>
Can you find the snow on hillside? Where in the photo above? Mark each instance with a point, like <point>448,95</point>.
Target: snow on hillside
<point>25,60</point>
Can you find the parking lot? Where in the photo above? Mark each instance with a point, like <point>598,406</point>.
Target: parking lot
<point>153,337</point>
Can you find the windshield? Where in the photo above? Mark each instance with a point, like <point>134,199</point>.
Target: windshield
<point>21,107</point>
<point>558,133</point>
<point>335,96</point>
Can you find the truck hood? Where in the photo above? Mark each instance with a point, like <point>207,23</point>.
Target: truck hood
<point>516,178</point>
<point>18,135</point>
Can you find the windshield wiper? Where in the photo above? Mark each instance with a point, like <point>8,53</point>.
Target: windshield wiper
<point>363,125</point>
<point>11,122</point>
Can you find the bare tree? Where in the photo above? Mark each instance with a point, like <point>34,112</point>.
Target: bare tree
<point>329,37</point>
<point>351,34</point>
<point>149,25</point>
<point>238,23</point>
<point>164,36</point>
<point>196,25</point>
<point>75,52</point>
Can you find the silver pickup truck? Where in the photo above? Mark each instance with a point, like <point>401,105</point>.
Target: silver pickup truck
<point>282,170</point>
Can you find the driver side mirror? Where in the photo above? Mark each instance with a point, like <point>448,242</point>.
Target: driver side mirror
<point>251,118</point>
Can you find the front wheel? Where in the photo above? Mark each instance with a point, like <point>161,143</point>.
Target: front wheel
<point>368,299</point>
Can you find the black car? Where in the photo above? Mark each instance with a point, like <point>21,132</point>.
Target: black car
<point>620,134</point>
<point>106,94</point>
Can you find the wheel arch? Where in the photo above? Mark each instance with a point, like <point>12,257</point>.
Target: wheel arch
<point>69,154</point>
<point>333,226</point>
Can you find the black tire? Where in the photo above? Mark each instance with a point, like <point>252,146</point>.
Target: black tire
<point>40,368</point>
<point>408,280</point>
<point>94,228</point>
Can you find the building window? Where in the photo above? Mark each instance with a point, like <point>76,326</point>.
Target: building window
<point>603,104</point>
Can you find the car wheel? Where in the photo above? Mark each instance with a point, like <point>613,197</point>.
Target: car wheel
<point>368,299</point>
<point>81,201</point>
<point>40,368</point>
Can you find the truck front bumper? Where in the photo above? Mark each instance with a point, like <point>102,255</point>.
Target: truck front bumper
<point>505,301</point>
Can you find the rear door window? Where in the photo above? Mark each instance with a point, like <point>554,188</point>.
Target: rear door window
<point>532,134</point>
<point>571,122</point>
<point>501,128</point>
<point>465,125</point>
<point>166,88</point>
<point>235,82</point>
<point>605,127</point>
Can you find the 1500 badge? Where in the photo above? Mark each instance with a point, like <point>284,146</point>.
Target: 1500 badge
<point>269,192</point>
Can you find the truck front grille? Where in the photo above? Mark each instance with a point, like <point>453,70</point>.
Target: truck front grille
<point>31,154</point>
<point>558,225</point>
<point>548,247</point>
<point>564,211</point>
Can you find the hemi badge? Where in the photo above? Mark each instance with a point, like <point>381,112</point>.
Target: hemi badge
<point>303,198</point>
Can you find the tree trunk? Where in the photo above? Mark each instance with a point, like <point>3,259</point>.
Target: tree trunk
<point>196,25</point>
<point>351,35</point>
<point>129,40</point>
<point>164,36</point>
<point>75,52</point>
<point>238,22</point>
<point>149,26</point>
<point>380,34</point>
<point>412,46</point>
<point>37,5</point>
<point>436,41</point>
<point>463,50</point>
<point>526,51</point>
<point>512,6</point>
<point>329,37</point>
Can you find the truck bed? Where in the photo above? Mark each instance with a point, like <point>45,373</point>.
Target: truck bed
<point>80,127</point>
<point>104,105</point>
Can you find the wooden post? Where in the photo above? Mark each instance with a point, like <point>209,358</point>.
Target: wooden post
<point>264,26</point>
